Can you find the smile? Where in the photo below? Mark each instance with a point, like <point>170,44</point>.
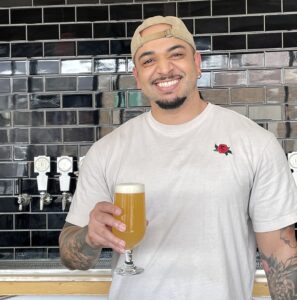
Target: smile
<point>166,84</point>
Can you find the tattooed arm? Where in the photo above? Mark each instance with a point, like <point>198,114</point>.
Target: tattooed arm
<point>80,246</point>
<point>278,250</point>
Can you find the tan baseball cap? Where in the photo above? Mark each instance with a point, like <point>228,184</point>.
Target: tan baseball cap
<point>178,30</point>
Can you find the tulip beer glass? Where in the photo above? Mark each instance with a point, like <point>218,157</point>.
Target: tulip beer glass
<point>130,198</point>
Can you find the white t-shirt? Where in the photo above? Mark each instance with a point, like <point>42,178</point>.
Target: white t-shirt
<point>203,204</point>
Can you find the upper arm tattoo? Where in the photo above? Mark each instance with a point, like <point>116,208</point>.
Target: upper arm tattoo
<point>282,275</point>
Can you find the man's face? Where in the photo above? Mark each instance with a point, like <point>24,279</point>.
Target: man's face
<point>166,69</point>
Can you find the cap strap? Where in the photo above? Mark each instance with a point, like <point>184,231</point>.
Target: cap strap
<point>157,35</point>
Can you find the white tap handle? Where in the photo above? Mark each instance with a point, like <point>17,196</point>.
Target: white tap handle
<point>42,182</point>
<point>64,182</point>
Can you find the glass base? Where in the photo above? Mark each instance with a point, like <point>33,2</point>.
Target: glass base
<point>127,270</point>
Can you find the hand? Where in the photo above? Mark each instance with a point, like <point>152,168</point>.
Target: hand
<point>99,229</point>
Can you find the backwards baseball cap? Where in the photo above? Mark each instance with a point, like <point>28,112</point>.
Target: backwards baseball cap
<point>178,30</point>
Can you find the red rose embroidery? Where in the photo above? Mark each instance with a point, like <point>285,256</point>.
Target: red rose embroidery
<point>223,149</point>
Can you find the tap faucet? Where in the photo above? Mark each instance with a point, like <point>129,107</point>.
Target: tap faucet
<point>292,158</point>
<point>42,166</point>
<point>64,167</point>
<point>23,198</point>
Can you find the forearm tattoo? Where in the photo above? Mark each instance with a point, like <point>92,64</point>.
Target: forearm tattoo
<point>75,252</point>
<point>282,275</point>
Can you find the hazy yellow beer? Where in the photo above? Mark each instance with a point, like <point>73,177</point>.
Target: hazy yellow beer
<point>130,198</point>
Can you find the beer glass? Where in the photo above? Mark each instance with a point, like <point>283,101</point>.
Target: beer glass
<point>130,198</point>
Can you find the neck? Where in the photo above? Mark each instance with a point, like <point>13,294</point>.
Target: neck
<point>190,109</point>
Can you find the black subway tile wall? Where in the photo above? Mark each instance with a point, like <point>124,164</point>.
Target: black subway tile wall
<point>66,81</point>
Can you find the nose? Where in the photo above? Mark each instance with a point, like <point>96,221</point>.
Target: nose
<point>164,67</point>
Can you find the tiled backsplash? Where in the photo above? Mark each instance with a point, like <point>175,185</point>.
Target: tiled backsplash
<point>66,81</point>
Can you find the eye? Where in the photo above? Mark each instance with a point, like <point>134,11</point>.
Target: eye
<point>147,62</point>
<point>177,55</point>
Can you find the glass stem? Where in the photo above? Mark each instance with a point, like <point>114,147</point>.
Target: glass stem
<point>128,258</point>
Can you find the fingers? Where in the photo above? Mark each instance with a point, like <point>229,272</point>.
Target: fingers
<point>100,224</point>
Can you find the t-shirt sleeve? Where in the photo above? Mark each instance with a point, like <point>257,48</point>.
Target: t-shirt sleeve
<point>273,201</point>
<point>91,188</point>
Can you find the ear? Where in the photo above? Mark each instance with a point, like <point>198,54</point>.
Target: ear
<point>135,73</point>
<point>197,59</point>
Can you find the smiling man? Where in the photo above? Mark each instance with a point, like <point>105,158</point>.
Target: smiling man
<point>217,186</point>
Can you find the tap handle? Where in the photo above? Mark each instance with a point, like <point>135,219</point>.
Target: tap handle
<point>20,203</point>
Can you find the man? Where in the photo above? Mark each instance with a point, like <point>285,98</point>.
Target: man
<point>215,183</point>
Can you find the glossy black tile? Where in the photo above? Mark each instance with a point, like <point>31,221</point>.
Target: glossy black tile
<point>5,154</point>
<point>264,6</point>
<point>4,85</point>
<point>35,84</point>
<point>92,13</point>
<point>125,12</point>
<point>44,67</point>
<point>26,49</point>
<point>9,204</point>
<point>289,5</point>
<point>24,118</point>
<point>19,85</point>
<point>4,16</point>
<point>44,101</point>
<point>6,187</point>
<point>18,135</point>
<point>26,15</point>
<point>27,152</point>
<point>56,221</point>
<point>45,135</point>
<point>60,118</point>
<point>6,254</point>
<point>228,7</point>
<point>48,2</point>
<point>162,9</point>
<point>111,100</point>
<point>241,24</point>
<point>111,29</point>
<point>43,32</point>
<point>131,27</point>
<point>211,25</point>
<point>15,238</point>
<point>77,100</point>
<point>59,150</point>
<point>5,102</point>
<point>30,253</point>
<point>4,50</point>
<point>283,22</point>
<point>78,135</point>
<point>108,65</point>
<point>115,1</point>
<point>6,222</point>
<point>18,67</point>
<point>13,3</point>
<point>19,101</point>
<point>59,14</point>
<point>229,42</point>
<point>30,221</point>
<point>60,83</point>
<point>90,117</point>
<point>5,119</point>
<point>70,31</point>
<point>120,47</point>
<point>189,9</point>
<point>13,33</point>
<point>13,170</point>
<point>265,40</point>
<point>290,39</point>
<point>59,49</point>
<point>87,83</point>
<point>54,253</point>
<point>92,48</point>
<point>45,238</point>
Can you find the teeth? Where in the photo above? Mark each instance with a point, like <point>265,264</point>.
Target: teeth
<point>167,83</point>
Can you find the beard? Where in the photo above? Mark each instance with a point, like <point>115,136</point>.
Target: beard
<point>173,104</point>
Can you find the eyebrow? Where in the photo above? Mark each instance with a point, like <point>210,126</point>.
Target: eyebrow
<point>168,50</point>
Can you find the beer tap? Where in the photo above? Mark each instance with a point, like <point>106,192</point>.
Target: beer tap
<point>23,198</point>
<point>64,167</point>
<point>42,166</point>
<point>292,158</point>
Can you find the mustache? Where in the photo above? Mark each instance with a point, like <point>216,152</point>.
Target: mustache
<point>166,77</point>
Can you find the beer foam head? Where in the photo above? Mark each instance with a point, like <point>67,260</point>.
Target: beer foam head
<point>129,188</point>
